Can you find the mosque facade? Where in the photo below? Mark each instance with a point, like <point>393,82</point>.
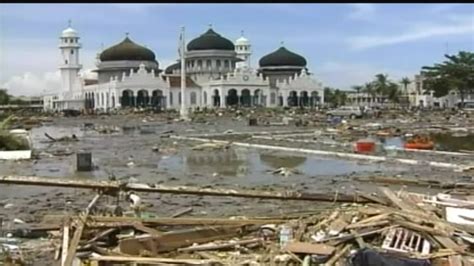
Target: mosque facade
<point>218,75</point>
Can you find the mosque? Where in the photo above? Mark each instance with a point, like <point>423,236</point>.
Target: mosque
<point>218,75</point>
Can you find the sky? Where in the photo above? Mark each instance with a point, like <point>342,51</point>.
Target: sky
<point>344,44</point>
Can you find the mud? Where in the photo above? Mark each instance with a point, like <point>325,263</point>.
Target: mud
<point>129,155</point>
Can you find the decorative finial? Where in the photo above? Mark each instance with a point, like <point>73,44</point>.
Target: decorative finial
<point>210,25</point>
<point>69,23</point>
<point>242,33</point>
<point>282,43</point>
<point>126,34</point>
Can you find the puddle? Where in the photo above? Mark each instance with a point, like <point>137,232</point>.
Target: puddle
<point>443,142</point>
<point>129,155</point>
<point>448,142</point>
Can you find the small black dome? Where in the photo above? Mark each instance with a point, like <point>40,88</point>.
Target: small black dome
<point>282,57</point>
<point>173,67</point>
<point>210,41</point>
<point>127,50</point>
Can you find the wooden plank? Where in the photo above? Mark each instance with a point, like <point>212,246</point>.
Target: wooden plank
<point>150,260</point>
<point>359,239</point>
<point>396,201</point>
<point>77,234</point>
<point>182,212</point>
<point>448,243</point>
<point>130,221</point>
<point>369,220</point>
<point>455,260</point>
<point>147,230</point>
<point>115,186</point>
<point>338,255</point>
<point>64,249</point>
<point>176,239</point>
<point>337,226</point>
<point>221,246</point>
<point>308,248</point>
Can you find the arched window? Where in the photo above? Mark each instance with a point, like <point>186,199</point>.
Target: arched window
<point>171,98</point>
<point>199,63</point>
<point>208,63</point>
<point>193,97</point>
<point>226,63</point>
<point>72,51</point>
<point>179,98</point>
<point>204,95</point>
<point>218,63</point>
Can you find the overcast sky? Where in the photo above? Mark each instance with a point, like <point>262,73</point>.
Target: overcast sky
<point>344,44</point>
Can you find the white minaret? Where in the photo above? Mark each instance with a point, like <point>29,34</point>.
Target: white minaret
<point>242,48</point>
<point>69,66</point>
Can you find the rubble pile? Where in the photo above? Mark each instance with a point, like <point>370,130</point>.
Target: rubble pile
<point>401,228</point>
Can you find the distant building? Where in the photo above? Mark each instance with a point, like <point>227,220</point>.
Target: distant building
<point>218,74</point>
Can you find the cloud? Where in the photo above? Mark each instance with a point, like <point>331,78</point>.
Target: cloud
<point>344,75</point>
<point>30,84</point>
<point>362,11</point>
<point>419,31</point>
<point>136,8</point>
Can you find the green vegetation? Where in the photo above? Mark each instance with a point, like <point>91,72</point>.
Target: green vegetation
<point>8,141</point>
<point>380,87</point>
<point>334,97</point>
<point>456,73</point>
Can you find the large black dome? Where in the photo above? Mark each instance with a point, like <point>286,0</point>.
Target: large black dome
<point>282,57</point>
<point>171,68</point>
<point>210,41</point>
<point>127,50</point>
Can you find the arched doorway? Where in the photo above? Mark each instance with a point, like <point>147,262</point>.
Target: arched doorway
<point>92,100</point>
<point>128,100</point>
<point>257,97</point>
<point>204,96</point>
<point>113,101</point>
<point>142,98</point>
<point>232,98</point>
<point>314,98</point>
<point>246,98</point>
<point>280,100</point>
<point>304,98</point>
<point>157,98</point>
<point>216,98</point>
<point>293,99</point>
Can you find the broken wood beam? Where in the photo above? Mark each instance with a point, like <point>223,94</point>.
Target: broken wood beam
<point>131,221</point>
<point>155,188</point>
<point>96,257</point>
<point>71,253</point>
<point>176,239</point>
<point>182,212</point>
<point>213,246</point>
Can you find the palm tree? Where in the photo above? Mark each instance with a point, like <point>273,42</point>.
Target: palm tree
<point>369,89</point>
<point>381,84</point>
<point>393,93</point>
<point>455,73</point>
<point>357,88</point>
<point>405,81</point>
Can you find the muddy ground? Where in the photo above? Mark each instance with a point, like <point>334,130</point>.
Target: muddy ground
<point>129,155</point>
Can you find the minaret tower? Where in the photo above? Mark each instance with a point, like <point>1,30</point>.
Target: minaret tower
<point>69,66</point>
<point>242,48</point>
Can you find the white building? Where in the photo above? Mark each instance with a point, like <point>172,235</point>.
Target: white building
<point>218,74</point>
<point>419,97</point>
